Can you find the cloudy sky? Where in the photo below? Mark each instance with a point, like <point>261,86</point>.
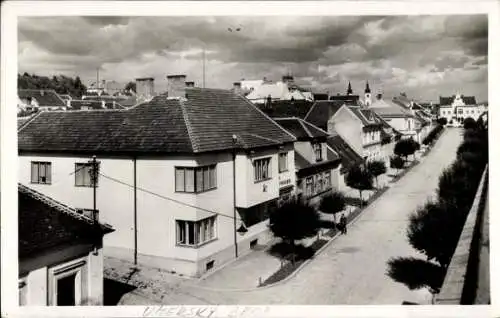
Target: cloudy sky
<point>424,56</point>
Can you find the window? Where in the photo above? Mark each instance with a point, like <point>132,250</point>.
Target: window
<point>327,177</point>
<point>194,233</point>
<point>373,136</point>
<point>309,186</point>
<point>83,175</point>
<point>261,169</point>
<point>68,284</point>
<point>317,152</point>
<point>195,179</point>
<point>283,162</point>
<point>41,172</point>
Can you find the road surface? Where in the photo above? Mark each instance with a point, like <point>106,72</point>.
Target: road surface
<point>352,270</point>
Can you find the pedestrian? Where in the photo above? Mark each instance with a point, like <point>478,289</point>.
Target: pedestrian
<point>343,224</point>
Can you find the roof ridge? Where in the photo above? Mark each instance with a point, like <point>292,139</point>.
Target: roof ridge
<point>27,122</point>
<point>261,137</point>
<point>310,109</point>
<point>251,105</point>
<point>315,127</point>
<point>189,128</point>
<point>306,130</point>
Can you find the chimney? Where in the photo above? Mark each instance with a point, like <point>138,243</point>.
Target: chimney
<point>189,84</point>
<point>176,86</point>
<point>145,87</point>
<point>237,88</point>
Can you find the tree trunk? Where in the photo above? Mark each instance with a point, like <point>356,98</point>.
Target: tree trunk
<point>360,198</point>
<point>376,181</point>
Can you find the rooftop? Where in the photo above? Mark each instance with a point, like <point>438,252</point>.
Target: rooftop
<point>45,223</point>
<point>205,121</point>
<point>301,129</point>
<point>44,97</point>
<point>322,111</point>
<point>349,157</point>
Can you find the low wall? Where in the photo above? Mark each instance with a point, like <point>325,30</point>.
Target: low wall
<point>460,283</point>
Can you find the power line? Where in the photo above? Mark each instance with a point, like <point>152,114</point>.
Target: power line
<point>165,197</point>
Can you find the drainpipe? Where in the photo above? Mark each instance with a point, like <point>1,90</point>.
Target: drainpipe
<point>135,210</point>
<point>235,138</point>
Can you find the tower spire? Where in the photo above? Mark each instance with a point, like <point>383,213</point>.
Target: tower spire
<point>367,89</point>
<point>349,89</point>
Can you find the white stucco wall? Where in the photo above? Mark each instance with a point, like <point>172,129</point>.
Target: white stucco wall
<point>348,127</point>
<point>157,215</point>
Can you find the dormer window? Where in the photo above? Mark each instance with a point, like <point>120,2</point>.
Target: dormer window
<point>317,152</point>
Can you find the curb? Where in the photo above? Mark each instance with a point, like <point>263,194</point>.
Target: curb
<point>297,270</point>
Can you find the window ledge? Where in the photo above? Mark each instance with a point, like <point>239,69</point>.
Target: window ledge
<point>196,192</point>
<point>42,183</point>
<point>283,171</point>
<point>196,246</point>
<point>263,180</point>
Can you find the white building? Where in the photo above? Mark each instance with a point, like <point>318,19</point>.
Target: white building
<point>60,253</point>
<point>172,175</point>
<point>39,99</point>
<point>285,89</point>
<point>456,108</point>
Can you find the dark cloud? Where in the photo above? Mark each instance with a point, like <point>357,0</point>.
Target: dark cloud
<point>321,52</point>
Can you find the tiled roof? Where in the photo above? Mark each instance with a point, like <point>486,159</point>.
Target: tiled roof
<point>301,129</point>
<point>365,115</point>
<point>128,102</point>
<point>205,121</point>
<point>387,108</point>
<point>287,108</point>
<point>348,156</point>
<point>21,121</point>
<point>44,97</point>
<point>322,111</point>
<point>45,223</point>
<point>305,167</point>
<point>351,100</point>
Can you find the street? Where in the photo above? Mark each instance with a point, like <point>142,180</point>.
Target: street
<point>351,270</point>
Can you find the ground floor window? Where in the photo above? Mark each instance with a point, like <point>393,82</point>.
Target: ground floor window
<point>257,213</point>
<point>68,284</point>
<point>194,233</point>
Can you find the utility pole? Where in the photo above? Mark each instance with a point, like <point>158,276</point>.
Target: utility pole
<point>235,140</point>
<point>97,83</point>
<point>94,173</point>
<point>203,66</point>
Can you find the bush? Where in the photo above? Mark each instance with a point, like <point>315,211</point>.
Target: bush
<point>406,147</point>
<point>360,179</point>
<point>376,168</point>
<point>416,273</point>
<point>333,203</point>
<point>432,135</point>
<point>397,162</point>
<point>293,221</point>
<point>442,121</point>
<point>469,123</point>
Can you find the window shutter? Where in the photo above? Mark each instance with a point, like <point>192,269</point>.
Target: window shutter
<point>199,179</point>
<point>189,179</point>
<point>179,179</point>
<point>206,178</point>
<point>48,172</point>
<point>34,172</point>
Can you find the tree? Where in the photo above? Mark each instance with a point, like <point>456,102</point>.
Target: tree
<point>376,168</point>
<point>469,123</point>
<point>293,221</point>
<point>442,121</point>
<point>359,179</point>
<point>131,86</point>
<point>333,203</point>
<point>405,147</point>
<point>416,273</point>
<point>397,162</point>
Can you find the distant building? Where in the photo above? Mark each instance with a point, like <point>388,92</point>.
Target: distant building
<point>458,107</point>
<point>316,166</point>
<point>60,251</point>
<point>286,89</point>
<point>39,99</point>
<point>349,98</point>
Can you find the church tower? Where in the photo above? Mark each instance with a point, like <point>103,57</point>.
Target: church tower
<point>349,89</point>
<point>368,95</point>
